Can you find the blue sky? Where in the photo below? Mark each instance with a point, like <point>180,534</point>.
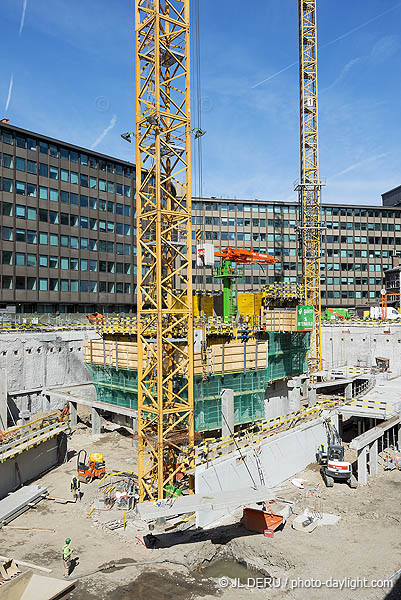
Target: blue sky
<point>71,64</point>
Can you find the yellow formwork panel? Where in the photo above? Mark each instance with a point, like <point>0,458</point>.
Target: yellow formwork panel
<point>206,306</point>
<point>249,304</point>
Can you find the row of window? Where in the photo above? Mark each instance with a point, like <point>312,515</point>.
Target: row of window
<point>71,220</point>
<point>241,222</point>
<point>23,188</point>
<point>73,200</point>
<point>284,209</point>
<point>385,241</point>
<point>43,284</point>
<point>351,281</point>
<point>348,294</point>
<point>20,259</point>
<point>31,143</point>
<point>357,253</point>
<point>354,267</point>
<point>363,226</point>
<point>64,241</point>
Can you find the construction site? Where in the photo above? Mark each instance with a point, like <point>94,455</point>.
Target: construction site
<point>233,444</point>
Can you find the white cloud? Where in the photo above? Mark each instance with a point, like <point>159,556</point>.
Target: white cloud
<point>10,90</point>
<point>344,71</point>
<point>21,27</point>
<point>385,48</point>
<point>105,132</point>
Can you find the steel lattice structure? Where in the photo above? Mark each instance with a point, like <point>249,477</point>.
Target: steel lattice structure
<point>164,245</point>
<point>309,188</point>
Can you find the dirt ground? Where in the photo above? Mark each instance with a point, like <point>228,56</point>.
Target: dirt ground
<point>364,544</point>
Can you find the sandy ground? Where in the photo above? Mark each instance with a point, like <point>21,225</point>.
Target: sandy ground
<point>365,544</point>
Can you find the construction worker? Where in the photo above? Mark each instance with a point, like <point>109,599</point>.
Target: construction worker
<point>67,554</point>
<point>76,488</point>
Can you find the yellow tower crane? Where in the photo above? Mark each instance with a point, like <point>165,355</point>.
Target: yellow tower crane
<point>164,244</point>
<point>309,187</point>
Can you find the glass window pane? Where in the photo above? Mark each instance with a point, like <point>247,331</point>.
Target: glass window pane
<point>84,159</point>
<point>20,164</point>
<point>84,243</point>
<point>74,285</point>
<point>43,238</point>
<point>93,203</point>
<point>8,161</point>
<point>84,222</point>
<point>84,264</point>
<point>43,148</point>
<point>110,187</point>
<point>43,215</point>
<point>43,193</point>
<point>93,183</point>
<point>43,260</point>
<point>20,188</point>
<point>20,211</point>
<point>53,150</point>
<point>31,260</point>
<point>65,197</point>
<point>31,283</point>
<point>64,175</point>
<point>31,190</point>
<point>53,262</point>
<point>127,191</point>
<point>53,172</point>
<point>31,237</point>
<point>53,239</point>
<point>84,285</point>
<point>84,201</point>
<point>73,242</point>
<point>64,263</point>
<point>102,185</point>
<point>73,156</point>
<point>64,285</point>
<point>53,285</point>
<point>8,137</point>
<point>43,284</point>
<point>7,185</point>
<point>64,241</point>
<point>7,282</point>
<point>20,235</point>
<point>93,162</point>
<point>84,180</point>
<point>64,153</point>
<point>20,259</point>
<point>31,167</point>
<point>53,216</point>
<point>54,195</point>
<point>74,177</point>
<point>74,264</point>
<point>20,141</point>
<point>31,213</point>
<point>31,143</point>
<point>93,286</point>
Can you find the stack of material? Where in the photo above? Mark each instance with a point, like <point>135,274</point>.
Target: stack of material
<point>18,502</point>
<point>232,357</point>
<point>123,354</point>
<point>279,320</point>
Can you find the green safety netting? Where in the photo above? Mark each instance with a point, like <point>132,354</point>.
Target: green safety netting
<point>287,357</point>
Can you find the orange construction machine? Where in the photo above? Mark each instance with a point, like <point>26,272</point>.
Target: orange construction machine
<point>89,470</point>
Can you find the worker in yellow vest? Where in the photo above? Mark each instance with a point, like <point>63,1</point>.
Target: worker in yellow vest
<point>67,555</point>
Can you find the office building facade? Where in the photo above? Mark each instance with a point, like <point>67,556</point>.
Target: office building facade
<point>68,233</point>
<point>67,226</point>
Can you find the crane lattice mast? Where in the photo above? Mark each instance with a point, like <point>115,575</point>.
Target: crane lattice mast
<point>164,245</point>
<point>309,188</point>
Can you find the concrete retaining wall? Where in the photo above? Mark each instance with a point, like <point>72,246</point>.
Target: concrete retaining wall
<point>34,361</point>
<point>282,457</point>
<point>31,463</point>
<point>360,346</point>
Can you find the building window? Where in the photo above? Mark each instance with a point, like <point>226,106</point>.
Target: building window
<point>64,175</point>
<point>43,284</point>
<point>64,263</point>
<point>20,211</point>
<point>53,238</point>
<point>93,183</point>
<point>119,189</point>
<point>53,262</point>
<point>8,161</point>
<point>93,266</point>
<point>54,195</point>
<point>31,190</point>
<point>53,172</point>
<point>31,167</point>
<point>53,285</point>
<point>20,188</point>
<point>20,141</point>
<point>20,283</point>
<point>64,153</point>
<point>74,177</point>
<point>64,285</point>
<point>84,159</point>
<point>84,264</point>
<point>84,243</point>
<point>43,215</point>
<point>127,191</point>
<point>74,285</point>
<point>8,138</point>
<point>74,199</point>
<point>43,260</point>
<point>64,197</point>
<point>84,180</point>
<point>102,185</point>
<point>84,222</point>
<point>84,285</point>
<point>19,259</point>
<point>53,150</point>
<point>93,162</point>
<point>43,238</point>
<point>53,217</point>
<point>20,164</point>
<point>43,170</point>
<point>7,282</point>
<point>93,286</point>
<point>83,201</point>
<point>31,283</point>
<point>73,242</point>
<point>31,260</point>
<point>73,156</point>
<point>43,193</point>
<point>93,203</point>
<point>110,287</point>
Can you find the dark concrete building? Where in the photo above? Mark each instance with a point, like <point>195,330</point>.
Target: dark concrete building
<point>392,197</point>
<point>67,226</point>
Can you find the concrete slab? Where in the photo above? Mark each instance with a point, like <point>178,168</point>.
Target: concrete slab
<point>149,511</point>
<point>30,586</point>
<point>18,502</point>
